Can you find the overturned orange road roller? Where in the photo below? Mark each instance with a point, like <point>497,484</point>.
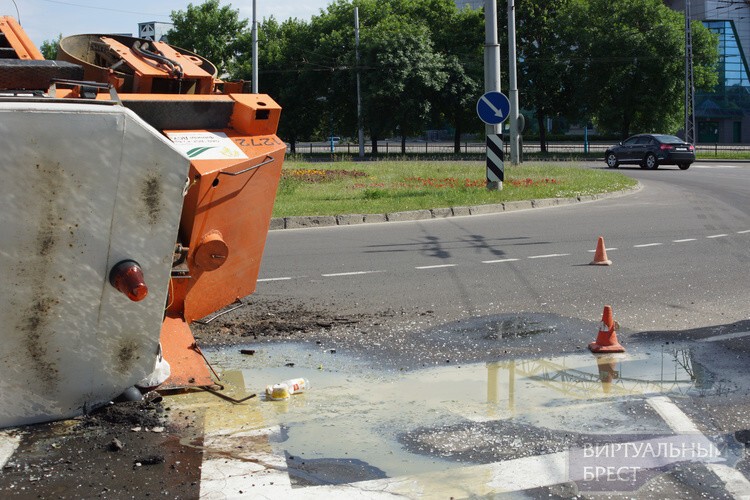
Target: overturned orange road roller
<point>139,190</point>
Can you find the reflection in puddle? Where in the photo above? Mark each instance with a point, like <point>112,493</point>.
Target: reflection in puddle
<point>360,415</point>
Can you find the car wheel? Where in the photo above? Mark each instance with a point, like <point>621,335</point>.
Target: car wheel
<point>684,166</point>
<point>612,160</point>
<point>651,162</point>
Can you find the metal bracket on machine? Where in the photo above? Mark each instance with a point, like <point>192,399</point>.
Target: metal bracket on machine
<point>86,89</point>
<point>236,305</point>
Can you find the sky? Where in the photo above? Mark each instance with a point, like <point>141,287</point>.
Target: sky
<point>46,19</point>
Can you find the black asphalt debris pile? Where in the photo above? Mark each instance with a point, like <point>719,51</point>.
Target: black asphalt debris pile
<point>123,450</point>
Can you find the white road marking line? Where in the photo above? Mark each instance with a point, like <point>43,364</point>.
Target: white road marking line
<point>353,273</point>
<point>498,261</point>
<point>672,415</point>
<point>548,255</point>
<point>253,467</point>
<point>223,476</point>
<point>8,445</point>
<point>734,481</point>
<point>270,478</point>
<point>725,336</point>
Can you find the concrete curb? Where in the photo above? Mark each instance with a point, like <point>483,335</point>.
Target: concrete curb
<point>311,221</point>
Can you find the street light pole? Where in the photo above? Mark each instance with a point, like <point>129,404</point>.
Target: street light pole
<point>361,131</point>
<point>690,132</point>
<point>492,83</point>
<point>255,49</point>
<point>513,84</point>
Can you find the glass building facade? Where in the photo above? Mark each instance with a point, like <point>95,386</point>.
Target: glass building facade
<point>723,114</point>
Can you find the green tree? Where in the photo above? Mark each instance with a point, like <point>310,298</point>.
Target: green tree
<point>632,54</point>
<point>208,30</point>
<point>404,73</point>
<point>546,76</point>
<point>49,48</point>
<point>404,68</point>
<point>420,61</point>
<point>286,74</point>
<point>460,39</point>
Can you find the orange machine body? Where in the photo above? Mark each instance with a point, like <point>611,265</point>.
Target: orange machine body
<point>225,218</point>
<point>14,43</point>
<point>147,72</point>
<point>224,224</point>
<point>133,65</point>
<point>236,161</point>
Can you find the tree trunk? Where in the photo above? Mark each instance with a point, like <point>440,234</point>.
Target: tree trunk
<point>625,128</point>
<point>374,138</point>
<point>457,136</point>
<point>293,145</point>
<point>403,144</point>
<point>542,132</point>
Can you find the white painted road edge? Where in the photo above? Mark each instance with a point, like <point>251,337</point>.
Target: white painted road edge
<point>736,484</point>
<point>264,475</point>
<point>726,336</point>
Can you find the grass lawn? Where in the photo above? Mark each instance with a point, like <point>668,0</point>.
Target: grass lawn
<point>393,186</point>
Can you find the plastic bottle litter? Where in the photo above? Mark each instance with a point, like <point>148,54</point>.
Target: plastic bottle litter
<point>286,388</point>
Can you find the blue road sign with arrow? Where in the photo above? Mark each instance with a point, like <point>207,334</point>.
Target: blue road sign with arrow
<point>493,108</point>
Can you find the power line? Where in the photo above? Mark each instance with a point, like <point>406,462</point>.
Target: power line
<point>18,14</point>
<point>106,8</point>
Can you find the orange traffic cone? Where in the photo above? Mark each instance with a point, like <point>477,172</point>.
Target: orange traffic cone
<point>606,340</point>
<point>600,257</point>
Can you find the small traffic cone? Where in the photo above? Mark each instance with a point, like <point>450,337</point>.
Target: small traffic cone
<point>606,339</point>
<point>600,257</point>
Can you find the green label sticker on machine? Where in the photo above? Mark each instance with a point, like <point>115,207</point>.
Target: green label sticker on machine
<point>206,145</point>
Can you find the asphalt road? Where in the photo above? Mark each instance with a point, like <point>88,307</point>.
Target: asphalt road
<point>679,249</point>
<point>516,292</point>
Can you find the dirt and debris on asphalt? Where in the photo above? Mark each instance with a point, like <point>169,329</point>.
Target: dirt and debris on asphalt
<point>105,454</point>
<point>408,337</point>
<point>145,448</point>
<point>272,318</point>
<point>272,321</point>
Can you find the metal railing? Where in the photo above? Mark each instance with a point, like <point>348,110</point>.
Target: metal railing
<point>425,147</point>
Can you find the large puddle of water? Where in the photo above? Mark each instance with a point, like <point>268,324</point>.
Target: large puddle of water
<point>358,421</point>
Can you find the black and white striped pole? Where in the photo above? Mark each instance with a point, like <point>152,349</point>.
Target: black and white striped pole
<point>495,166</point>
<point>493,107</point>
